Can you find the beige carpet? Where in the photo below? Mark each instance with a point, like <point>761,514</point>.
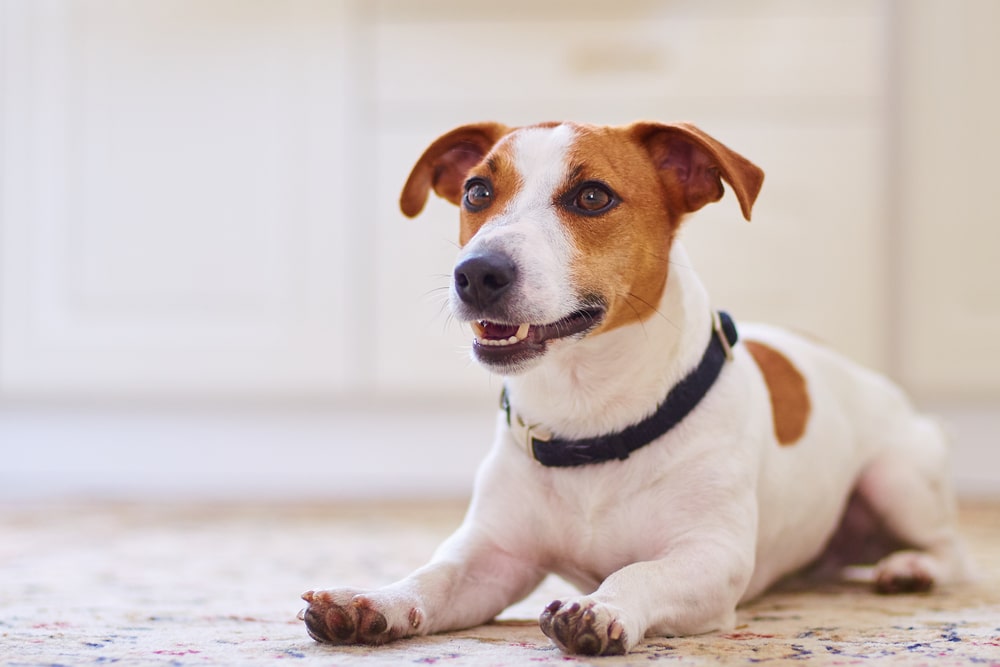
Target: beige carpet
<point>94,584</point>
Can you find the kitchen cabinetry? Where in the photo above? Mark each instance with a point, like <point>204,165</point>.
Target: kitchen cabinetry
<point>199,197</point>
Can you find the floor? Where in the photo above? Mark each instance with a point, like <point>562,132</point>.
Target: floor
<point>167,584</point>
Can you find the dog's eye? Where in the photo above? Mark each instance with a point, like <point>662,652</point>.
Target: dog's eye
<point>478,195</point>
<point>592,198</point>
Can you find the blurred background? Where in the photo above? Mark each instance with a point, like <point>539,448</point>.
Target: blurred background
<point>207,290</point>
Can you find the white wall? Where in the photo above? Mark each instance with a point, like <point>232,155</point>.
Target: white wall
<point>206,287</point>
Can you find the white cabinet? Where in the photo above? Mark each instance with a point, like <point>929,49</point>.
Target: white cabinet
<point>172,213</point>
<point>948,230</point>
<point>199,196</point>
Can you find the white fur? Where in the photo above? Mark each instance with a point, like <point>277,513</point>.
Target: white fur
<point>529,230</point>
<point>634,365</point>
<point>672,539</point>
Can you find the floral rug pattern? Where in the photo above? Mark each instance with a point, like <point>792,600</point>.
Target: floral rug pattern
<point>180,586</point>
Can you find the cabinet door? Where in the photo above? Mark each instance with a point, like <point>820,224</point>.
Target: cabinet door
<point>802,96</point>
<point>171,198</point>
<point>948,229</point>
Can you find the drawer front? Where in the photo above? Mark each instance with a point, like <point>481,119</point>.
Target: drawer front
<point>455,54</point>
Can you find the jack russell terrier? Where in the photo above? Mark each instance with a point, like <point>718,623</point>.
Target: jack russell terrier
<point>666,465</point>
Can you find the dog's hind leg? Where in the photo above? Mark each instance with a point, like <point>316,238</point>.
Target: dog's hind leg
<point>908,487</point>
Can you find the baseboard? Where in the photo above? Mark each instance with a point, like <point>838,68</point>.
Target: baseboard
<point>975,451</point>
<point>271,454</point>
<point>268,454</point>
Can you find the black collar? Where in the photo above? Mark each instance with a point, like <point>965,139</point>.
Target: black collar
<point>681,400</point>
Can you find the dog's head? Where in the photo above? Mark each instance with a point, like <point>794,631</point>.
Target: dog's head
<point>566,228</point>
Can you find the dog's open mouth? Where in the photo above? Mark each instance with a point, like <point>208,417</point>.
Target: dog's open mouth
<point>511,344</point>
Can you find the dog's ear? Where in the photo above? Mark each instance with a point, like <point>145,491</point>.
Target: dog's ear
<point>693,164</point>
<point>446,163</point>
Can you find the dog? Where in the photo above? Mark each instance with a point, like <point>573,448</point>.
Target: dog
<point>668,461</point>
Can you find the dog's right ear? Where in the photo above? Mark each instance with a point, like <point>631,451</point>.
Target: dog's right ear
<point>693,165</point>
<point>446,163</point>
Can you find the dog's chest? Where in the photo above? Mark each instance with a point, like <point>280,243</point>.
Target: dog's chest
<point>584,547</point>
<point>594,521</point>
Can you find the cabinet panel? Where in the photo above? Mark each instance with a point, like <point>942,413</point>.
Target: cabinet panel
<point>948,227</point>
<point>455,52</point>
<point>171,178</point>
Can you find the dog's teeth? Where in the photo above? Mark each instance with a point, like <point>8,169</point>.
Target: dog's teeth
<point>498,342</point>
<point>479,329</point>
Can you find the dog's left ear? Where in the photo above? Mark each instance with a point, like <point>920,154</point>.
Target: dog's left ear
<point>692,166</point>
<point>446,163</point>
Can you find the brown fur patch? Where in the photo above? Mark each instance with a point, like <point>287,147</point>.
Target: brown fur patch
<point>660,173</point>
<point>693,166</point>
<point>445,163</point>
<point>623,252</point>
<point>790,403</point>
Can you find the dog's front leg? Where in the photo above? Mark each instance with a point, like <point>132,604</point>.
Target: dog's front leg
<point>467,582</point>
<point>693,589</point>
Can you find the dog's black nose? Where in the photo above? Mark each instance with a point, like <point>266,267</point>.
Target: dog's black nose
<point>482,278</point>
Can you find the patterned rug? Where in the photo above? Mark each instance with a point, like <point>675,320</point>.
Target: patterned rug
<point>180,586</point>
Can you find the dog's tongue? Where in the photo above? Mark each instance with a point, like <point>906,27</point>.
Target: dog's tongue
<point>494,330</point>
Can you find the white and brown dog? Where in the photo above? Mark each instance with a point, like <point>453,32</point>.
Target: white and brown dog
<point>642,453</point>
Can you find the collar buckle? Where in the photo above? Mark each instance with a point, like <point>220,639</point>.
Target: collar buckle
<point>720,332</point>
<point>524,434</point>
<point>527,435</point>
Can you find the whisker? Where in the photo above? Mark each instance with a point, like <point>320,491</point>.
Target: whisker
<point>653,308</point>
<point>436,291</point>
<point>656,254</point>
<point>442,303</point>
<point>635,310</point>
<point>449,318</point>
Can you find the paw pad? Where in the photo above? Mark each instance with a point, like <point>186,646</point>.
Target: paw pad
<point>586,629</point>
<point>351,620</point>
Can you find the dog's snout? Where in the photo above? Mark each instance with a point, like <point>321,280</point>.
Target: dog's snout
<point>481,279</point>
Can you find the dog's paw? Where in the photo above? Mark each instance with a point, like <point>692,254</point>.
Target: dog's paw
<point>905,572</point>
<point>585,627</point>
<point>351,617</point>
